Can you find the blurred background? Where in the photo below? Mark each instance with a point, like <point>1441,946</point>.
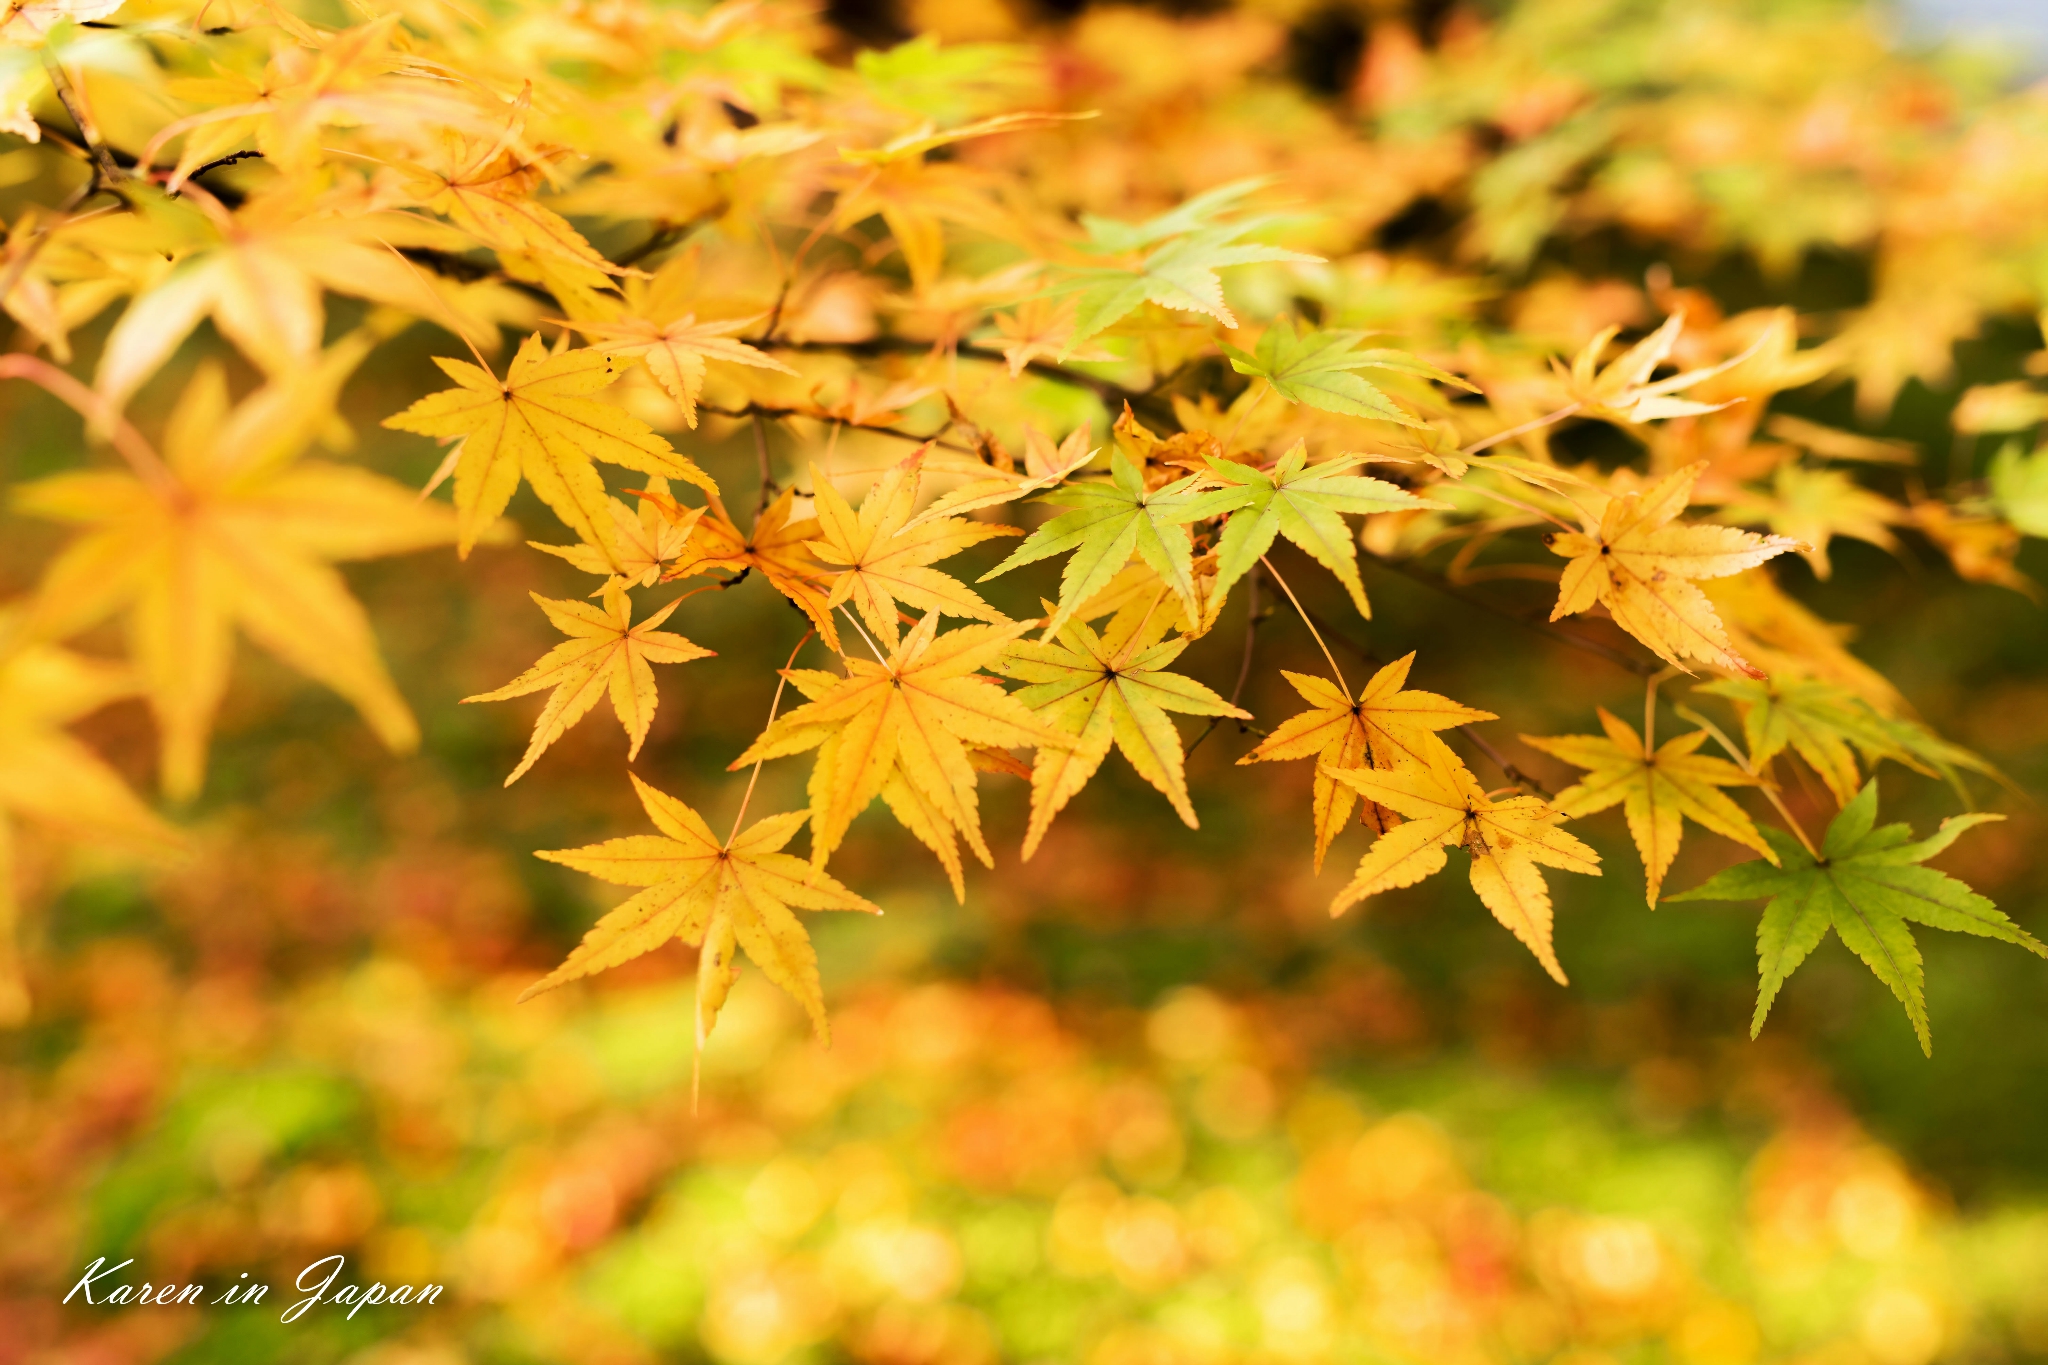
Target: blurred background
<point>1139,1100</point>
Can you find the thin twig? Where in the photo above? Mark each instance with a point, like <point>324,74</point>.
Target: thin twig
<point>104,166</point>
<point>1244,664</point>
<point>1423,576</point>
<point>1112,393</point>
<point>773,707</point>
<point>149,467</point>
<point>1500,761</point>
<point>774,410</point>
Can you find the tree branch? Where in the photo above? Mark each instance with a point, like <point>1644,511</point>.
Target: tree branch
<point>1500,761</point>
<point>1104,389</point>
<point>140,455</point>
<point>1407,569</point>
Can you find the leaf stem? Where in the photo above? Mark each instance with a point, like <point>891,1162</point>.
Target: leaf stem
<point>1524,429</point>
<point>1650,685</point>
<point>855,621</point>
<point>755,776</point>
<point>1265,387</point>
<point>453,322</point>
<point>1335,671</point>
<point>1742,761</point>
<point>761,458</point>
<point>1518,505</point>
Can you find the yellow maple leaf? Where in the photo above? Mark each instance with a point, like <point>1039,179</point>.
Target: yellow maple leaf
<point>997,480</point>
<point>239,534</point>
<point>539,423</point>
<point>675,351</point>
<point>1383,725</point>
<point>606,653</point>
<point>49,778</point>
<point>724,897</point>
<point>883,561</point>
<point>1633,561</point>
<point>259,275</point>
<point>921,708</point>
<point>647,540</point>
<point>1624,392</point>
<point>485,185</point>
<point>777,546</point>
<point>657,320</point>
<point>1658,790</point>
<point>1814,506</point>
<point>1508,840</point>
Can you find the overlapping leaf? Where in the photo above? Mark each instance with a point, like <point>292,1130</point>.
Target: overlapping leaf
<point>1384,725</point>
<point>1182,250</point>
<point>647,540</point>
<point>1320,368</point>
<point>882,561</point>
<point>920,711</point>
<point>1828,725</point>
<point>777,546</point>
<point>1110,523</point>
<point>1508,840</point>
<point>1304,503</point>
<point>1632,560</point>
<point>540,424</point>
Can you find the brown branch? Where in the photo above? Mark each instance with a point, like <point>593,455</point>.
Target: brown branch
<point>1104,389</point>
<point>761,455</point>
<point>759,409</point>
<point>1549,630</point>
<point>104,165</point>
<point>1500,761</point>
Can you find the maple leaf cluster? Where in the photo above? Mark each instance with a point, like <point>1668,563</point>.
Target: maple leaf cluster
<point>709,225</point>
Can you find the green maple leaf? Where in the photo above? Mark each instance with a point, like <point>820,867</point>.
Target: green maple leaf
<point>1306,504</point>
<point>1320,369</point>
<point>1866,885</point>
<point>2019,488</point>
<point>1828,725</point>
<point>1180,274</point>
<point>1112,522</point>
